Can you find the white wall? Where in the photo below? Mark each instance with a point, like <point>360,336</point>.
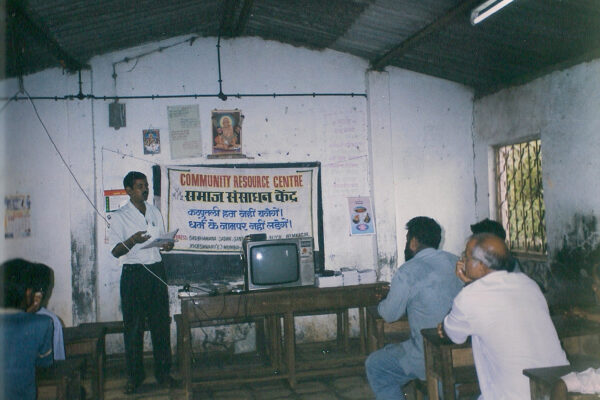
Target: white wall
<point>34,168</point>
<point>562,110</point>
<point>423,126</point>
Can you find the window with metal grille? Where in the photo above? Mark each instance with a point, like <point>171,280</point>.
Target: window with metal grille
<point>521,196</point>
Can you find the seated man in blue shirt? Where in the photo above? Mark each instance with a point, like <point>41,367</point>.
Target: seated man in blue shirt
<point>25,338</point>
<point>422,288</point>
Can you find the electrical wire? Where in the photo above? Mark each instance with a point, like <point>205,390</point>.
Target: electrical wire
<point>195,310</point>
<point>147,269</point>
<point>190,96</point>
<point>130,156</point>
<point>63,159</point>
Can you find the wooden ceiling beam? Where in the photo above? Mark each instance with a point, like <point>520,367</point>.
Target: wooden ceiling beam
<point>24,27</point>
<point>243,18</point>
<point>230,25</point>
<point>379,63</point>
<point>228,16</point>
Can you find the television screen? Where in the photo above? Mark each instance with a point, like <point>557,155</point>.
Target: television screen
<point>274,264</point>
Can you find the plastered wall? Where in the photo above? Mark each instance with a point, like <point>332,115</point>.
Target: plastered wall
<point>562,110</point>
<point>432,155</point>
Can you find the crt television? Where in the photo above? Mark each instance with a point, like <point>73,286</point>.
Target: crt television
<point>271,264</point>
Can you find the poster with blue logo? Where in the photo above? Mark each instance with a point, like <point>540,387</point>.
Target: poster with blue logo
<point>362,221</point>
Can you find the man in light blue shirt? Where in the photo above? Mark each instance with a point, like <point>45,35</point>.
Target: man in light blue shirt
<point>422,288</point>
<point>42,278</point>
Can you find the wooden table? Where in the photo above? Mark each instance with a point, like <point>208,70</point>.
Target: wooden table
<point>450,363</point>
<point>88,342</point>
<point>274,305</point>
<point>542,380</point>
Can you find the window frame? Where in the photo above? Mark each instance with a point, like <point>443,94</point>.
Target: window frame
<point>502,188</point>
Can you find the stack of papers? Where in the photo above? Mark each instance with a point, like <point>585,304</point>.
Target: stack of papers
<point>350,276</point>
<point>329,281</point>
<point>367,276</point>
<point>162,240</point>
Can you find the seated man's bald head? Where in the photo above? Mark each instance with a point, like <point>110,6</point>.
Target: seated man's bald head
<point>491,251</point>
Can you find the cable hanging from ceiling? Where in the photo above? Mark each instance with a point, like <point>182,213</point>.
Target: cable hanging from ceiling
<point>221,95</point>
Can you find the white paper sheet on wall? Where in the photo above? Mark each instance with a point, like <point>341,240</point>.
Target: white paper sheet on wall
<point>185,139</point>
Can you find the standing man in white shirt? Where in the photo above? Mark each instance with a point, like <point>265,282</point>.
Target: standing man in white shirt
<point>144,294</point>
<point>506,316</point>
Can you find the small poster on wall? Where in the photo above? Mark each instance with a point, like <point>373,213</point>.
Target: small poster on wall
<point>227,131</point>
<point>151,139</point>
<point>361,216</point>
<point>17,219</point>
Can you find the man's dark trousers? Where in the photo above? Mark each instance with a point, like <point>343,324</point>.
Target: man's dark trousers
<point>145,299</point>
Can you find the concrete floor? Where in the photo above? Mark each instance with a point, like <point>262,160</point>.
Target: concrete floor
<point>331,388</point>
<point>354,387</point>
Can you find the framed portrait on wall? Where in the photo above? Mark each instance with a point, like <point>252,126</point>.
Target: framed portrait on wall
<point>151,139</point>
<point>227,131</point>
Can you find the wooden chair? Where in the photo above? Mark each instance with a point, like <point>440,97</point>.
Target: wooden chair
<point>416,389</point>
<point>61,381</point>
<point>380,333</point>
<point>87,342</point>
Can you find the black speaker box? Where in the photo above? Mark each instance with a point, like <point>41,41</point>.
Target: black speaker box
<point>116,115</point>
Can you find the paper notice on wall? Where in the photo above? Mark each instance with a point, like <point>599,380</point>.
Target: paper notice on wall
<point>184,131</point>
<point>361,216</point>
<point>17,219</point>
<point>344,134</point>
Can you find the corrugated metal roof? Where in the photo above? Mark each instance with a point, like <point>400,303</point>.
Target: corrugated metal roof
<point>526,39</point>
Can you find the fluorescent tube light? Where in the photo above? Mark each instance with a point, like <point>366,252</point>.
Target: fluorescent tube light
<point>486,9</point>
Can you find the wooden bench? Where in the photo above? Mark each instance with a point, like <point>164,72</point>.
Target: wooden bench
<point>110,327</point>
<point>63,378</point>
<point>448,363</point>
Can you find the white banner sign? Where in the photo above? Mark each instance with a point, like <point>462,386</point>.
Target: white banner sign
<point>214,208</point>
